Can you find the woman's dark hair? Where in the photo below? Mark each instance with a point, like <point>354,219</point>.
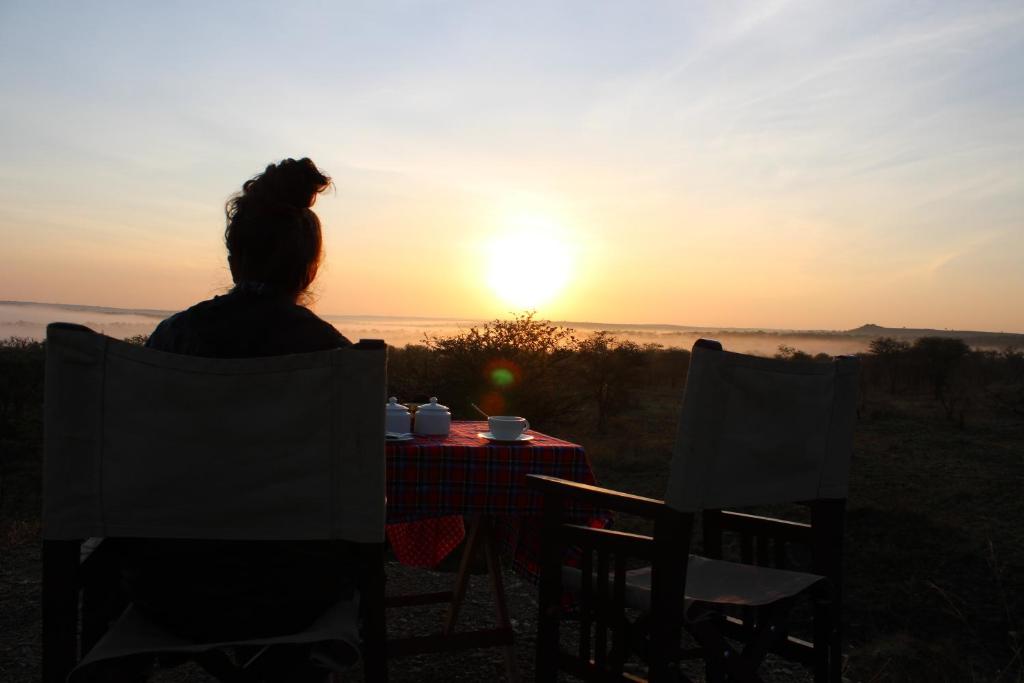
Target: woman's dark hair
<point>272,236</point>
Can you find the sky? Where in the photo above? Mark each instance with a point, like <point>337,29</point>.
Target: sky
<point>786,164</point>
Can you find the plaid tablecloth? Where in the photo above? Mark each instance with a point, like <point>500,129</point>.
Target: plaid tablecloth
<point>434,481</point>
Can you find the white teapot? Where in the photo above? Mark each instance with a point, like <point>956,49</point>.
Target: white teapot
<point>433,419</point>
<point>396,417</point>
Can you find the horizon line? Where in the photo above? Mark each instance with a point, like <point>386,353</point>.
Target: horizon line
<point>157,312</point>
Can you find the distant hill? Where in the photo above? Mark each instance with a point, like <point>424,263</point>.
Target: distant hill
<point>766,340</point>
<point>971,337</point>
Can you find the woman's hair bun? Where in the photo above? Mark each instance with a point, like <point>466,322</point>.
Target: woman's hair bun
<point>272,235</point>
<point>291,182</point>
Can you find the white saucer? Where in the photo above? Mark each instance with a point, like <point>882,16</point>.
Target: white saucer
<point>397,437</point>
<point>491,437</point>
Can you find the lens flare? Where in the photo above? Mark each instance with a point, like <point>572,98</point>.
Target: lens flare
<point>502,374</point>
<point>493,403</point>
<point>502,377</point>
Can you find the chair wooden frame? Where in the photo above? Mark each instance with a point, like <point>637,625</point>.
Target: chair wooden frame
<point>666,550</point>
<point>600,605</point>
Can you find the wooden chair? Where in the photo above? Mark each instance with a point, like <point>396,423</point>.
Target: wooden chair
<point>754,432</point>
<point>141,443</point>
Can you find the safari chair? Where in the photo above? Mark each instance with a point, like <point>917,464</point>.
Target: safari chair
<point>753,432</point>
<point>145,444</point>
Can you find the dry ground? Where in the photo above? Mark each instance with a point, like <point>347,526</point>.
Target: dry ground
<point>935,550</point>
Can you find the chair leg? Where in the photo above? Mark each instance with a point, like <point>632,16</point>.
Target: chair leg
<point>60,609</point>
<point>769,630</point>
<point>822,640</point>
<point>103,596</point>
<point>372,610</point>
<point>835,648</point>
<point>722,661</point>
<point>549,595</point>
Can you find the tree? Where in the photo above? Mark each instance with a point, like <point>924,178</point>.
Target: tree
<point>506,366</point>
<point>607,365</point>
<point>790,353</point>
<point>940,357</point>
<point>889,353</point>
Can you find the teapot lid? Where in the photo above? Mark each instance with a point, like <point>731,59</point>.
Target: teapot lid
<point>433,406</point>
<point>394,405</point>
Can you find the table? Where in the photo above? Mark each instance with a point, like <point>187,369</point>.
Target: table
<point>442,479</point>
<point>434,482</point>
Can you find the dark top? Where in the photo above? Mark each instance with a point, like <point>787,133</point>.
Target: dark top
<point>217,590</point>
<point>247,323</point>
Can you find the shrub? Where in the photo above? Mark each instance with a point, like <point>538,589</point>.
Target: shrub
<point>505,366</point>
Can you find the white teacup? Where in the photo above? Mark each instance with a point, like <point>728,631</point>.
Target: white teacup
<point>507,427</point>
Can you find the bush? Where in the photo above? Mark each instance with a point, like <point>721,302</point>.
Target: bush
<point>511,366</point>
<point>607,368</point>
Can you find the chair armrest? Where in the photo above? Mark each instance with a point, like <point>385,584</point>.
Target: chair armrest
<point>596,496</point>
<point>615,542</point>
<point>758,525</point>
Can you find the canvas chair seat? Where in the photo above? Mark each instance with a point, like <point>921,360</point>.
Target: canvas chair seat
<point>716,582</point>
<point>134,634</point>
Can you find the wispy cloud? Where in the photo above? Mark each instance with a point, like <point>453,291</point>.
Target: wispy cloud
<point>826,146</point>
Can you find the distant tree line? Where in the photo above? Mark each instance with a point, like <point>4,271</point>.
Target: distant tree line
<point>532,367</point>
<point>958,378</point>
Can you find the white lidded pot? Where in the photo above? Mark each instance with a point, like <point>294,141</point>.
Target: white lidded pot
<point>433,419</point>
<point>397,417</point>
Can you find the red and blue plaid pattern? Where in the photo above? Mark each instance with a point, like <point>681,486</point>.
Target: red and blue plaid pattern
<point>463,474</point>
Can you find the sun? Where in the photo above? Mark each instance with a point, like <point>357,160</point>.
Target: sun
<point>529,264</point>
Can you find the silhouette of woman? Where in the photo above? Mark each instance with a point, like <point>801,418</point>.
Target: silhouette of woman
<point>219,590</point>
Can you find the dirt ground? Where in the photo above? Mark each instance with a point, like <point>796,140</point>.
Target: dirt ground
<point>20,637</point>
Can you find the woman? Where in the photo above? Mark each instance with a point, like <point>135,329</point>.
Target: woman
<point>274,250</point>
<point>220,590</point>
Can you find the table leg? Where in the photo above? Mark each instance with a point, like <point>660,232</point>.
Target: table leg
<point>500,603</point>
<point>480,533</point>
<point>462,577</point>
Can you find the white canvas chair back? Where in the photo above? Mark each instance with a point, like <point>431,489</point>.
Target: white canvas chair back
<point>760,430</point>
<point>144,443</point>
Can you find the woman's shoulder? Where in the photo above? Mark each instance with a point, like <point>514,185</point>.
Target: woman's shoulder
<point>182,332</point>
<point>323,328</point>
<point>240,324</point>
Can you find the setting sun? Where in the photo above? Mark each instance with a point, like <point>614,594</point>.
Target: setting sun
<point>530,264</point>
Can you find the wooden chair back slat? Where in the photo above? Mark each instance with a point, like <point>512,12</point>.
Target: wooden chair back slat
<point>586,602</point>
<point>602,611</point>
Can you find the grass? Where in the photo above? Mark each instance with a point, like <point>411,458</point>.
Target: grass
<point>935,532</point>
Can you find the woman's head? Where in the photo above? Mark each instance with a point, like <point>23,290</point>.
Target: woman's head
<point>272,236</point>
